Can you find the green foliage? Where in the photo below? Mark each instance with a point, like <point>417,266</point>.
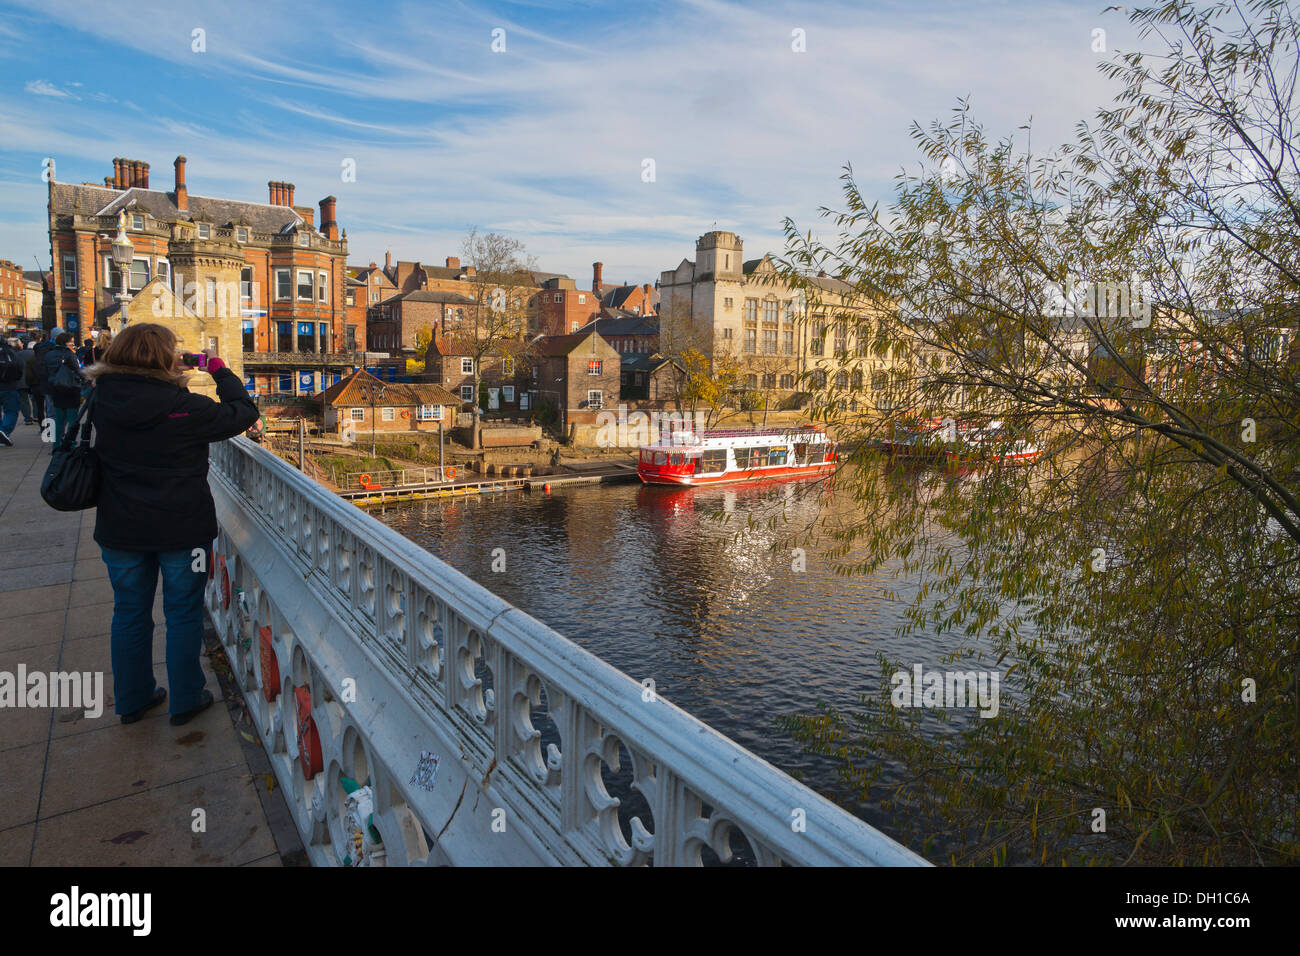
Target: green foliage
<point>1159,685</point>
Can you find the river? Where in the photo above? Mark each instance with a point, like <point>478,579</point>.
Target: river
<point>653,581</point>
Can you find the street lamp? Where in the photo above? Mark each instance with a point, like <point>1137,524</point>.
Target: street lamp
<point>123,253</point>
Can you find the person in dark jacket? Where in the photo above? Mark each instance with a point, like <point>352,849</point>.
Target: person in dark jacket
<point>32,410</point>
<point>155,512</point>
<point>34,387</point>
<point>65,398</point>
<point>40,348</point>
<point>11,378</point>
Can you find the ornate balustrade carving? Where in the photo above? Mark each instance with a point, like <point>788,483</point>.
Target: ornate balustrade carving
<point>413,717</point>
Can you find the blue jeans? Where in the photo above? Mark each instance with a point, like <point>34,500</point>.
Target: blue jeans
<point>9,405</point>
<point>62,419</point>
<point>134,576</point>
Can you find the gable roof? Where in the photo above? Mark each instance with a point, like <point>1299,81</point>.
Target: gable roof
<point>566,344</point>
<point>625,323</point>
<point>354,390</point>
<point>644,362</point>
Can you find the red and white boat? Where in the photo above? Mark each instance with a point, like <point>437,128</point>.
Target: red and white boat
<point>721,455</point>
<point>991,444</point>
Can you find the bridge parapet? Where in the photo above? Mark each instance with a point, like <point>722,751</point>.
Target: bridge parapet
<point>413,717</point>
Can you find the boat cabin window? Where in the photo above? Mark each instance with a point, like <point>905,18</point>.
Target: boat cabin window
<point>800,454</point>
<point>661,458</point>
<point>776,456</point>
<point>712,461</point>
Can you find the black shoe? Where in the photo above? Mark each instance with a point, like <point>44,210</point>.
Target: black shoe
<point>159,695</point>
<point>185,716</point>
<point>4,439</point>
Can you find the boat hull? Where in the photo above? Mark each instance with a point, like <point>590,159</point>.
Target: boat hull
<point>649,477</point>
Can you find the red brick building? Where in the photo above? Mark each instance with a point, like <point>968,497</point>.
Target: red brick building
<point>290,272</point>
<point>578,374</point>
<point>13,296</point>
<point>394,324</point>
<point>450,362</point>
<point>563,308</point>
<point>361,401</point>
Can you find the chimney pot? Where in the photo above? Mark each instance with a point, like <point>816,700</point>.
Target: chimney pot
<point>596,268</point>
<point>144,175</point>
<point>289,187</point>
<point>388,261</point>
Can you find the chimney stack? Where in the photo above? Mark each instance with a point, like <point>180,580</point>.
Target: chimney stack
<point>273,192</point>
<point>134,177</point>
<point>117,172</point>
<point>289,187</point>
<point>144,175</point>
<point>388,261</point>
<point>328,220</point>
<point>595,277</point>
<point>453,262</point>
<point>182,196</point>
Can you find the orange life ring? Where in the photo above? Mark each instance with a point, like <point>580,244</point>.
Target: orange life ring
<point>406,413</point>
<point>364,479</point>
<point>451,473</point>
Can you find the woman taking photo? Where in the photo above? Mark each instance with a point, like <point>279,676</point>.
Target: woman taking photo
<point>155,511</point>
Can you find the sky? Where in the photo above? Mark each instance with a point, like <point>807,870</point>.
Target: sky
<point>545,138</point>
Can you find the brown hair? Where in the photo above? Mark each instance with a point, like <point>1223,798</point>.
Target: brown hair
<point>144,349</point>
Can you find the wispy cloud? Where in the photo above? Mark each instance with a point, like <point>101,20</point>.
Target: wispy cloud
<point>46,88</point>
<point>547,139</point>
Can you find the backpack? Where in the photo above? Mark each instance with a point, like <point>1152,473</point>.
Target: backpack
<point>11,368</point>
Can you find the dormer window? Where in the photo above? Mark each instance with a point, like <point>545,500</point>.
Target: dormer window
<point>205,231</point>
<point>242,234</point>
<point>137,221</point>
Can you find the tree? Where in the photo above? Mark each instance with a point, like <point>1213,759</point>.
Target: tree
<point>495,322</point>
<point>1132,300</point>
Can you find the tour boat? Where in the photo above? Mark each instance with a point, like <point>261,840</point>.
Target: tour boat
<point>992,445</point>
<point>722,455</point>
<point>963,441</point>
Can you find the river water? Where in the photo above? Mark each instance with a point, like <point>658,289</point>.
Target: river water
<point>656,583</point>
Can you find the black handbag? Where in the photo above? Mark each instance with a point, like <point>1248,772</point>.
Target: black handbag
<point>71,482</point>
<point>66,379</point>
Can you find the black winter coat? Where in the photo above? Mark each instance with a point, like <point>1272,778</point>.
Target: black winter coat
<point>151,437</point>
<point>50,362</point>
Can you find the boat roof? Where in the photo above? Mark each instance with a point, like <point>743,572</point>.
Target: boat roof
<point>729,437</point>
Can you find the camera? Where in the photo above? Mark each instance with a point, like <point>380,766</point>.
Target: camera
<point>194,359</point>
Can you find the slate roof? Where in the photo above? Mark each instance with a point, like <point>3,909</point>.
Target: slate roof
<point>642,362</point>
<point>564,344</point>
<point>429,295</point>
<point>101,201</point>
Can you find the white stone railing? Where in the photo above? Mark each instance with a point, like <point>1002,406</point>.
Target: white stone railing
<point>358,652</point>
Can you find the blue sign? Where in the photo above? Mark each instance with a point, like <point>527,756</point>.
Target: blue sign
<point>250,384</point>
<point>304,328</point>
<point>305,381</point>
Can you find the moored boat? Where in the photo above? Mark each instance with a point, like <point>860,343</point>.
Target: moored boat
<point>722,455</point>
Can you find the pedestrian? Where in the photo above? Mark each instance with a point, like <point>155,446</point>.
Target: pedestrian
<point>155,512</point>
<point>42,347</point>
<point>34,384</point>
<point>62,383</point>
<point>101,346</point>
<point>31,412</point>
<point>11,375</point>
<point>86,354</point>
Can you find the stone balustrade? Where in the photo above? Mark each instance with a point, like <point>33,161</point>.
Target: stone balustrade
<point>413,717</point>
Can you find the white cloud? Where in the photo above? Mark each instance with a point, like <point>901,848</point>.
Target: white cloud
<point>547,140</point>
<point>46,88</point>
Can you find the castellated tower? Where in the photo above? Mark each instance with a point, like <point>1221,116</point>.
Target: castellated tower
<point>719,255</point>
<point>206,281</point>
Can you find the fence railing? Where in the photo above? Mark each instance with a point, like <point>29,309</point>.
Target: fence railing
<point>398,478</point>
<point>413,717</point>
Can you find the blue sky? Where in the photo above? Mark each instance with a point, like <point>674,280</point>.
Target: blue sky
<point>544,141</point>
